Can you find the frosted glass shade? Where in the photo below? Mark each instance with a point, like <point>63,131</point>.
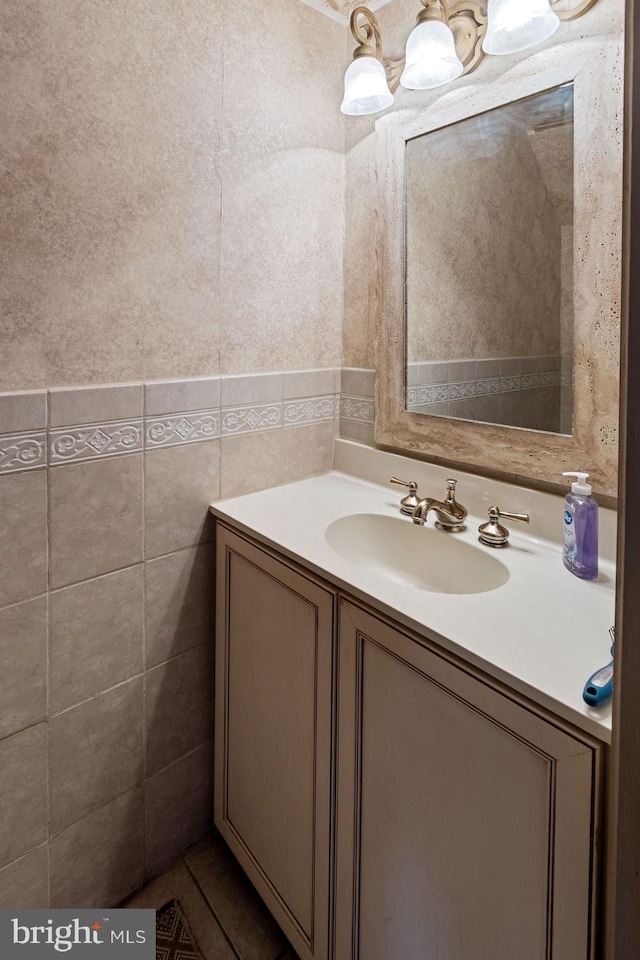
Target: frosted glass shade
<point>514,25</point>
<point>365,88</point>
<point>431,57</point>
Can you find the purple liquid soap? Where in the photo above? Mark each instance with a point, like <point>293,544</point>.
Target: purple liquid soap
<point>580,550</point>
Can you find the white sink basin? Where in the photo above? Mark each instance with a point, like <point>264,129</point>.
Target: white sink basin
<point>415,556</point>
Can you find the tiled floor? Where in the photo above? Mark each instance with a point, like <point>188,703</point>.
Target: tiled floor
<point>226,915</point>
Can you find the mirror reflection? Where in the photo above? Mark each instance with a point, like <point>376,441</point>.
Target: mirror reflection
<point>489,266</point>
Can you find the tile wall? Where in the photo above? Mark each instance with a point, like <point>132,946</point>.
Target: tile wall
<point>357,404</point>
<point>529,392</point>
<point>106,587</point>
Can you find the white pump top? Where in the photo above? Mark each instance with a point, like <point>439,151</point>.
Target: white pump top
<point>580,486</point>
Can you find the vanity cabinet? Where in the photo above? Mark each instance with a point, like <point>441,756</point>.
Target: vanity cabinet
<point>462,822</point>
<point>273,727</point>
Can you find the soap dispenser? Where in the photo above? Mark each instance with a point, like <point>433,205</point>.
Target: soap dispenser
<point>580,550</point>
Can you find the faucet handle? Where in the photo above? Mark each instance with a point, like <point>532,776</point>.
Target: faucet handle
<point>411,501</point>
<point>493,533</point>
<point>456,509</point>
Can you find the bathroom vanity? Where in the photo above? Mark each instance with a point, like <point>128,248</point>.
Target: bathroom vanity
<point>404,765</point>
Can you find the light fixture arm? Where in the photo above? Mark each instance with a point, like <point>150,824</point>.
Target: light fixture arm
<point>365,33</point>
<point>433,10</point>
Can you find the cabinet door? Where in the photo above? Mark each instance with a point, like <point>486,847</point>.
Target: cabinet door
<point>274,649</point>
<point>464,821</point>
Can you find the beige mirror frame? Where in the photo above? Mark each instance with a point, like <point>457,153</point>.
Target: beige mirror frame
<point>595,66</point>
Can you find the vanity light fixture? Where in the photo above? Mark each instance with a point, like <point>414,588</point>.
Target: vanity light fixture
<point>430,58</point>
<point>450,40</point>
<point>515,25</point>
<point>365,83</point>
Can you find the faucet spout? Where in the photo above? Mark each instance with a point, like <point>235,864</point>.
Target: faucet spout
<point>421,511</point>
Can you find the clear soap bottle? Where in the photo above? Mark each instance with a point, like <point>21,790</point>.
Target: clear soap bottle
<point>580,549</point>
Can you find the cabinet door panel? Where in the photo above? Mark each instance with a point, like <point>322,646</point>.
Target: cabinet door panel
<point>448,813</point>
<point>273,735</point>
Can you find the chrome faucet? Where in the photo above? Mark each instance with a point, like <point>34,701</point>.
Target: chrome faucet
<point>449,513</point>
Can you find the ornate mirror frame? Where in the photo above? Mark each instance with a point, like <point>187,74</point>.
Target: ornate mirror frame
<point>595,66</point>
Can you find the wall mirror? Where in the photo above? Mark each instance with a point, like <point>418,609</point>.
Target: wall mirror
<point>500,241</point>
<point>489,266</point>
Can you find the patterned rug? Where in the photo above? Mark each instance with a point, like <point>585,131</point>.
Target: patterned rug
<point>174,940</point>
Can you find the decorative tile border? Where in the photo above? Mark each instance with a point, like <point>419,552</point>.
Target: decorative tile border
<point>251,419</point>
<point>359,409</point>
<point>97,440</point>
<point>22,451</point>
<point>487,386</point>
<point>309,410</point>
<point>182,428</point>
<point>304,397</point>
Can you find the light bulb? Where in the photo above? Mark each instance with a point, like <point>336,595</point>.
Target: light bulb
<point>431,57</point>
<point>515,25</point>
<point>365,88</point>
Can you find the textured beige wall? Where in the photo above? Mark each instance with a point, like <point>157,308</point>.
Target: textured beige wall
<point>360,255</point>
<point>171,189</point>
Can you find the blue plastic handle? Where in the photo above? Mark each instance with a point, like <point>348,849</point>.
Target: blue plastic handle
<point>599,687</point>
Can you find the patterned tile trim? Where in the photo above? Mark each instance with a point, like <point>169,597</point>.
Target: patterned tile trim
<point>22,451</point>
<point>117,437</point>
<point>251,419</point>
<point>460,390</point>
<point>182,428</point>
<point>360,409</point>
<point>97,440</point>
<point>309,410</point>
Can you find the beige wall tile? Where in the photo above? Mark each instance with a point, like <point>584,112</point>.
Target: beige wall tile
<point>23,792</point>
<point>111,211</point>
<point>250,462</point>
<point>245,919</point>
<point>253,388</point>
<point>187,787</point>
<point>180,483</point>
<point>23,678</point>
<point>24,885</point>
<point>307,451</point>
<point>96,518</point>
<point>23,526</point>
<point>96,753</point>
<point>179,707</point>
<point>311,383</point>
<point>99,861</point>
<point>352,430</point>
<point>23,411</point>
<point>181,396</point>
<point>281,241</point>
<point>283,294</point>
<point>95,404</point>
<point>179,596</point>
<point>96,631</point>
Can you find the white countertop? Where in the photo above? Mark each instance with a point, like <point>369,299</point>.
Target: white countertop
<point>543,633</point>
